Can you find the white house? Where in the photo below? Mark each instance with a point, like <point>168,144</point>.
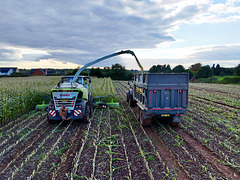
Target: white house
<point>7,71</point>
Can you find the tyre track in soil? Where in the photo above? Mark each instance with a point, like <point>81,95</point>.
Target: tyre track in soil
<point>216,102</point>
<point>164,152</point>
<point>202,150</point>
<point>207,154</point>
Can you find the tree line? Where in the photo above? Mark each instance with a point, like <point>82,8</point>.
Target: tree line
<point>196,71</point>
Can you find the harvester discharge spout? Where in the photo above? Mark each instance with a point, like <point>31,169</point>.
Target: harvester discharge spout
<point>106,57</point>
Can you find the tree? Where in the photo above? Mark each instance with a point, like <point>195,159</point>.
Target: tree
<point>217,70</point>
<point>204,72</point>
<point>119,72</point>
<point>96,72</point>
<point>190,73</point>
<point>179,69</point>
<point>195,67</point>
<point>237,70</point>
<point>160,69</point>
<point>73,72</point>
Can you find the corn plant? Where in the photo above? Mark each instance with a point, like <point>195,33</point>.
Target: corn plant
<point>21,94</point>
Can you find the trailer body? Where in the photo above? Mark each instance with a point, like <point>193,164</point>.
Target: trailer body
<point>159,95</point>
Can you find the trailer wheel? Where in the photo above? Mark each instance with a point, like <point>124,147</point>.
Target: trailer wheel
<point>138,113</point>
<point>131,101</point>
<point>145,122</point>
<point>86,115</point>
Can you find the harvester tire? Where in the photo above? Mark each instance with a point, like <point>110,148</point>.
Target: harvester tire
<point>86,115</point>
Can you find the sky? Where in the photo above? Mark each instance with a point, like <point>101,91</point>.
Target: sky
<point>67,34</point>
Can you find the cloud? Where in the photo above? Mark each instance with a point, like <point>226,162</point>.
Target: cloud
<point>10,54</point>
<point>219,53</point>
<point>80,31</point>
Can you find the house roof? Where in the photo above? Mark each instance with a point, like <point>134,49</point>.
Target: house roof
<point>33,70</point>
<point>6,69</point>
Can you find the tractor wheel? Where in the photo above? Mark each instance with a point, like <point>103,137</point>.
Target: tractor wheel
<point>145,122</point>
<point>86,115</point>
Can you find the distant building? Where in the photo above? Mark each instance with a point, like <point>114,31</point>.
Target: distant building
<point>7,71</point>
<point>38,72</point>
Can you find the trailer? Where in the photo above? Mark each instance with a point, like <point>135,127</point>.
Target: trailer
<point>160,95</point>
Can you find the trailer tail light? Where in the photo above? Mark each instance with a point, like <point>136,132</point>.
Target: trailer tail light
<point>180,91</point>
<point>154,91</point>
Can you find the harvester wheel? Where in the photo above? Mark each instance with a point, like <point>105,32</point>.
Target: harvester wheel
<point>145,122</point>
<point>174,124</point>
<point>86,115</point>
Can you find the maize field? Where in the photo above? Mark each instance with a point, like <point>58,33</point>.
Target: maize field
<point>113,145</point>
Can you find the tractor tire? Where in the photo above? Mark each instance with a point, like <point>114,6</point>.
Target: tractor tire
<point>86,116</point>
<point>145,122</point>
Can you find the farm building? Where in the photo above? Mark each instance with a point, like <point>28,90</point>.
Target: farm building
<point>38,72</point>
<point>7,71</point>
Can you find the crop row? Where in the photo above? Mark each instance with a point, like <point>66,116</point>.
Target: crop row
<point>230,98</point>
<point>19,95</point>
<point>103,87</point>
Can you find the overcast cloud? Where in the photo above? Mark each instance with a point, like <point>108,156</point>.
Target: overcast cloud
<point>79,31</point>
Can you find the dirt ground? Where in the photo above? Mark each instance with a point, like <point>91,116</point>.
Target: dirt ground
<point>113,144</point>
